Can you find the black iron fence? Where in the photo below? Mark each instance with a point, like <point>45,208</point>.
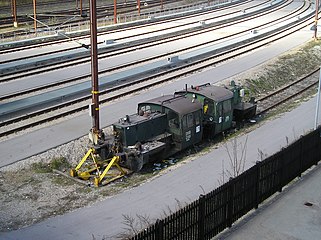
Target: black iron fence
<point>217,210</point>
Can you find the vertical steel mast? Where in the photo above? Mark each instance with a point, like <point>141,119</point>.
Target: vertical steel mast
<point>35,15</point>
<point>14,12</point>
<point>115,11</point>
<point>316,19</point>
<point>94,73</point>
<point>80,9</point>
<point>138,7</point>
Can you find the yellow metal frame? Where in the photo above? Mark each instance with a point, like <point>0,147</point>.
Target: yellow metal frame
<point>101,177</point>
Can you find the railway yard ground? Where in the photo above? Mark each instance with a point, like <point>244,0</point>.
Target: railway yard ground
<point>54,19</point>
<point>31,192</point>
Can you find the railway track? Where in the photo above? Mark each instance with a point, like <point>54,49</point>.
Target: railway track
<point>50,65</point>
<point>8,48</point>
<point>32,90</point>
<point>46,65</point>
<point>69,9</point>
<point>37,118</point>
<point>288,92</point>
<point>265,104</point>
<point>11,126</point>
<point>73,17</point>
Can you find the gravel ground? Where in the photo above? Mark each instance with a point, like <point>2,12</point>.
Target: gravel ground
<point>31,192</point>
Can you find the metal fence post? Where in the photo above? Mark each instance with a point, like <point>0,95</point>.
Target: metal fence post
<point>201,217</point>
<point>319,145</point>
<point>318,149</point>
<point>159,229</point>
<point>230,203</point>
<point>257,184</point>
<point>301,156</point>
<point>281,159</point>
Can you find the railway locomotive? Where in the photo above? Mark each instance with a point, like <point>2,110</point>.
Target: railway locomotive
<point>169,124</point>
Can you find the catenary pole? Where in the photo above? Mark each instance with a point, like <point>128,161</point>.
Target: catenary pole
<point>80,9</point>
<point>115,11</point>
<point>14,12</point>
<point>94,68</point>
<point>138,7</point>
<point>316,19</point>
<point>35,15</point>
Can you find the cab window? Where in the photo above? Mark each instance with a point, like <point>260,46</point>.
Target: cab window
<point>227,106</point>
<point>173,120</point>
<point>146,108</point>
<point>188,121</point>
<point>208,107</point>
<point>197,118</point>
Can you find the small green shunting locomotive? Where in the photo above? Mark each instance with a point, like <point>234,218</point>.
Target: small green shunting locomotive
<point>169,124</point>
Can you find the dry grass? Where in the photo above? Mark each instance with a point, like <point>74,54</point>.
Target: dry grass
<point>287,68</point>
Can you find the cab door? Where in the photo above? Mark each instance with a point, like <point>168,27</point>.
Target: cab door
<point>219,118</point>
<point>227,114</point>
<point>191,129</point>
<point>224,116</point>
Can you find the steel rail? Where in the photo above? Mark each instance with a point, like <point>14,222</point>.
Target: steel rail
<point>233,52</point>
<point>286,87</point>
<point>188,31</point>
<point>114,28</point>
<point>149,42</point>
<point>153,58</point>
<point>281,90</point>
<point>101,13</point>
<point>126,37</point>
<point>109,70</point>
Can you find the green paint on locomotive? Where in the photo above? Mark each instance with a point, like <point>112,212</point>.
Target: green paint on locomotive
<point>217,105</point>
<point>184,119</point>
<point>168,124</point>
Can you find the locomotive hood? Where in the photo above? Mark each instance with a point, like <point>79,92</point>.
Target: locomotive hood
<point>179,104</point>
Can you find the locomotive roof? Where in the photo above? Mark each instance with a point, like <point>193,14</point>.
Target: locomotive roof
<point>133,119</point>
<point>179,104</point>
<point>216,93</point>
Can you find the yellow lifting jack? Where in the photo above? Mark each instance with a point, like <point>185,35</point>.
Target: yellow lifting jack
<point>99,171</point>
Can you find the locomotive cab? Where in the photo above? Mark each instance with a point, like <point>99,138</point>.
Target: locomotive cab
<point>138,137</point>
<point>161,127</point>
<point>221,106</point>
<point>184,119</point>
<point>136,128</point>
<point>217,107</point>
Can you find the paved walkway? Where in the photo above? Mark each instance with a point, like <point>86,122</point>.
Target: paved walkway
<point>293,214</point>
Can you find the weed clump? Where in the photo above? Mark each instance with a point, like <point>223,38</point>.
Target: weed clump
<point>40,167</point>
<point>59,163</point>
<point>286,69</point>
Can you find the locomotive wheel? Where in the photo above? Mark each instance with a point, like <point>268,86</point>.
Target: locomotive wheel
<point>134,163</point>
